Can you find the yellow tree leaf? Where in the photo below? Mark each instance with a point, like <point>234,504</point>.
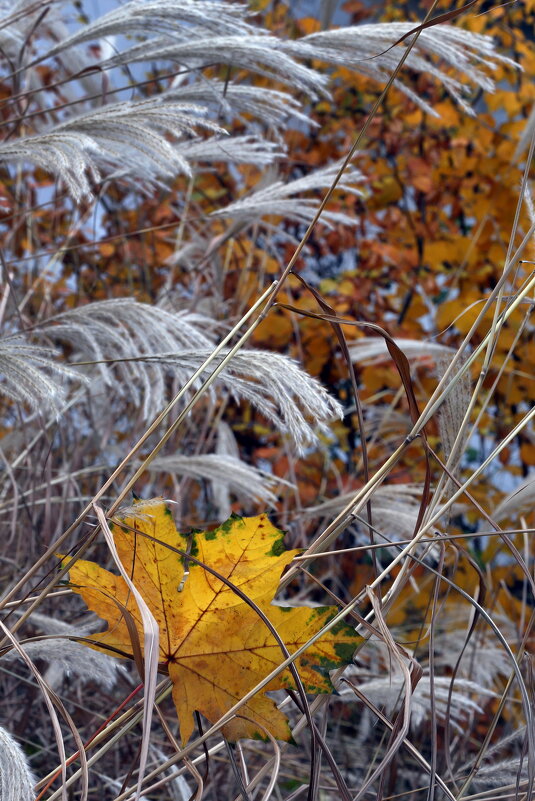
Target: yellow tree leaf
<point>213,644</point>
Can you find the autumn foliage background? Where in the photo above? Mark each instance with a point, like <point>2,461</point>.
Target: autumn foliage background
<point>136,234</point>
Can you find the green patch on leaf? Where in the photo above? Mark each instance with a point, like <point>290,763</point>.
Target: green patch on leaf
<point>345,650</point>
<point>277,548</point>
<point>229,525</point>
<point>259,736</point>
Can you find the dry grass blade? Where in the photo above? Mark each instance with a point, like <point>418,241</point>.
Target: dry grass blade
<point>394,509</point>
<point>407,743</point>
<point>150,650</point>
<point>411,676</point>
<point>368,349</point>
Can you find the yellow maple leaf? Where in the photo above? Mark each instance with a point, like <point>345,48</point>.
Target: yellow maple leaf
<point>213,645</point>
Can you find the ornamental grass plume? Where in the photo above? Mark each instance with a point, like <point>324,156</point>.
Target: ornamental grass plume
<point>16,780</point>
